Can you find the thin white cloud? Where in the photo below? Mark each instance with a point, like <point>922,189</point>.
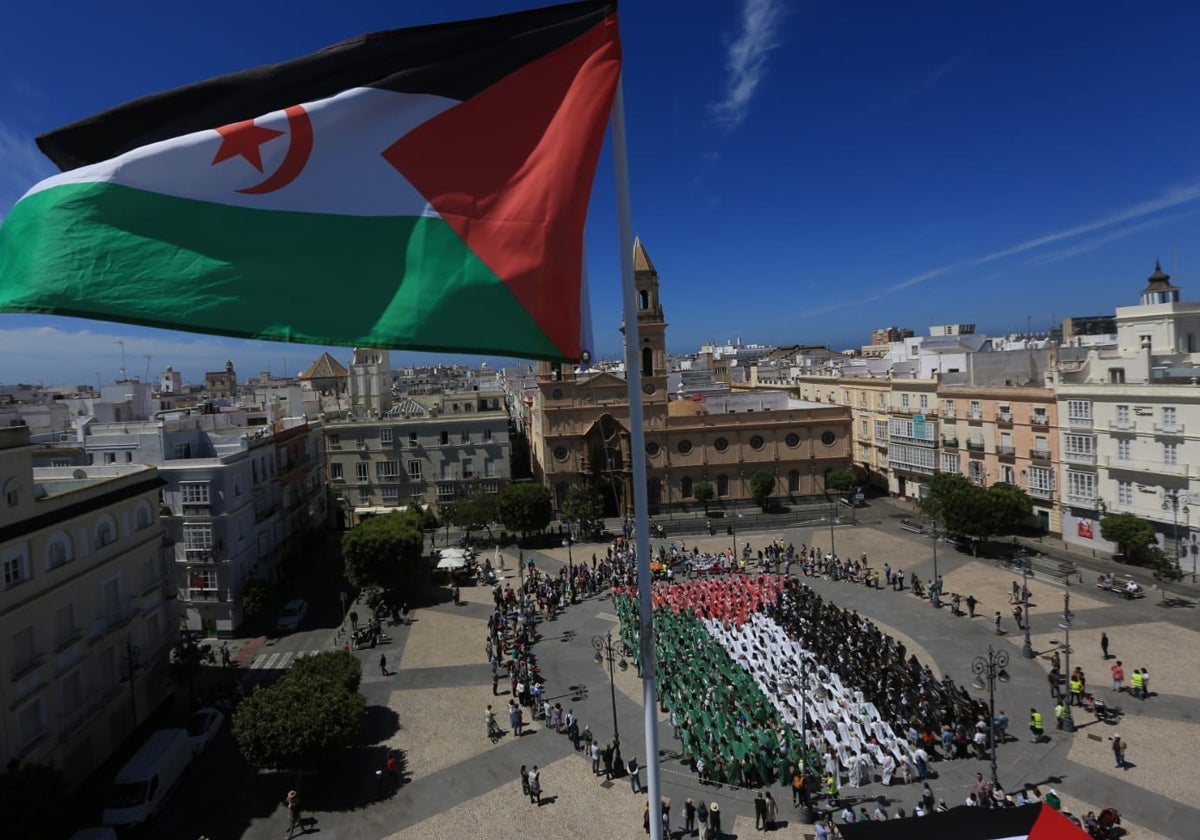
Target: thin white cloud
<point>21,165</point>
<point>1101,241</point>
<point>746,59</point>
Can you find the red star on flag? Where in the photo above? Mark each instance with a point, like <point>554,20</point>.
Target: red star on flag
<point>244,139</point>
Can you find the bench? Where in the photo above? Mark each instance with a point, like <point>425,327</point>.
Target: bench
<point>912,527</point>
<point>1064,570</point>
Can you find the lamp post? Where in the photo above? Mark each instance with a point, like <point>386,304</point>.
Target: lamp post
<point>131,660</point>
<point>1065,624</point>
<point>805,813</point>
<point>567,545</point>
<point>935,590</point>
<point>991,668</point>
<point>1023,558</point>
<point>605,649</point>
<point>1171,503</point>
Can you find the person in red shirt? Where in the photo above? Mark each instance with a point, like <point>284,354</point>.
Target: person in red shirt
<point>1118,675</point>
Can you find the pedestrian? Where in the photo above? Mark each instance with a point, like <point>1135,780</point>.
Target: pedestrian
<point>760,811</point>
<point>535,786</point>
<point>1075,687</point>
<point>353,619</point>
<point>225,658</point>
<point>514,718</point>
<point>1145,684</point>
<point>927,797</point>
<point>293,806</point>
<point>689,816</point>
<point>495,682</point>
<point>1060,714</point>
<point>821,830</point>
<point>1104,644</point>
<point>392,765</point>
<point>635,783</point>
<point>1017,617</point>
<point>772,811</point>
<point>1136,684</point>
<point>493,729</point>
<point>1035,725</point>
<point>383,665</point>
<point>702,817</point>
<point>714,819</point>
<point>524,780</point>
<point>899,580</point>
<point>606,757</point>
<point>1118,677</point>
<point>797,787</point>
<point>887,573</point>
<point>996,622</point>
<point>646,816</point>
<point>971,602</point>
<point>666,816</point>
<point>1118,748</point>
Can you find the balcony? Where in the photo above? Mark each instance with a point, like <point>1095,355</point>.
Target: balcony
<point>1006,451</point>
<point>1039,421</point>
<point>1039,454</point>
<point>1004,417</point>
<point>27,666</point>
<point>975,416</point>
<point>1086,459</point>
<point>1079,422</point>
<point>1154,467</point>
<point>1127,424</point>
<point>950,443</point>
<point>949,414</point>
<point>200,555</point>
<point>1168,428</point>
<point>975,446</point>
<point>1041,493</point>
<point>1081,500</point>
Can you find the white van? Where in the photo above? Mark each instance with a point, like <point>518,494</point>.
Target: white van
<point>146,780</point>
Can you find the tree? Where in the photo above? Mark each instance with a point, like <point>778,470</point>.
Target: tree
<point>384,551</point>
<point>255,598</point>
<point>338,665</point>
<point>184,662</point>
<point>296,723</point>
<point>762,485</point>
<point>704,492</point>
<point>1010,507</point>
<point>473,512</point>
<point>1130,532</point>
<point>839,481</point>
<point>1165,569</point>
<point>947,500</point>
<point>582,506</point>
<point>524,508</point>
<point>35,801</point>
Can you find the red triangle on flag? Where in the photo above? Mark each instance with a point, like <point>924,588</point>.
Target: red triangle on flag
<point>511,168</point>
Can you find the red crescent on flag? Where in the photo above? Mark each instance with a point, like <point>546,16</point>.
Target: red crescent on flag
<point>300,143</point>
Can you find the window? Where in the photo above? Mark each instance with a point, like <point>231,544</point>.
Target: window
<point>756,442</point>
<point>71,690</point>
<point>1124,448</point>
<point>143,517</point>
<point>1124,494</point>
<point>684,447</point>
<point>487,435</point>
<point>975,412</point>
<point>975,471</point>
<point>1116,376</point>
<point>722,485</point>
<point>200,579</point>
<point>1041,482</point>
<point>560,453</point>
<point>949,408</point>
<point>924,401</point>
<point>194,492</point>
<point>1169,416</point>
<point>198,537</point>
<point>1007,475</point>
<point>880,400</point>
<point>180,451</point>
<point>448,472</point>
<point>862,398</point>
<point>468,468</point>
<point>1041,447</point>
<point>864,428</point>
<point>31,723</point>
<point>364,495</point>
<point>106,531</point>
<point>720,444</point>
<point>22,650</point>
<point>1081,487</point>
<point>362,472</point>
<point>360,440</point>
<point>110,457</point>
<point>489,467</point>
<point>335,471</point>
<point>793,481</point>
<point>445,491</point>
<point>881,430</point>
<point>792,440</point>
<point>58,551</point>
<point>412,438</point>
<point>464,437</point>
<point>64,625</point>
<point>444,438</point>
<point>1171,454</point>
<point>950,463</point>
<point>1040,417</point>
<point>335,440</point>
<point>387,470</point>
<point>12,492</point>
<point>904,401</point>
<point>1079,412</point>
<point>390,493</point>
<point>1080,445</point>
<point>385,435</point>
<point>685,488</point>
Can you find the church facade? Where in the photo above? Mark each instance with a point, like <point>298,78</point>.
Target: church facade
<point>579,430</point>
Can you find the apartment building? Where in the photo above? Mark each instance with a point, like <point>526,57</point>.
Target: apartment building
<point>85,615</point>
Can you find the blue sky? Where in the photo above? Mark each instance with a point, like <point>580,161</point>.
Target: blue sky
<point>801,172</point>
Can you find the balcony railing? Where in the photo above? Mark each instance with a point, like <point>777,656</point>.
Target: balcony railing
<point>1042,420</point>
<point>1082,500</point>
<point>1004,417</point>
<point>1126,425</point>
<point>950,443</point>
<point>1087,459</point>
<point>1079,422</point>
<point>975,414</point>
<point>1039,454</point>
<point>1169,428</point>
<point>1005,451</point>
<point>975,446</point>
<point>1137,465</point>
<point>1041,493</point>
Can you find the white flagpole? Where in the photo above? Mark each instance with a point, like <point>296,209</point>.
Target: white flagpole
<point>637,445</point>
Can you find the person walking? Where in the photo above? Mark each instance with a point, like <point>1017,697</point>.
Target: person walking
<point>1060,714</point>
<point>383,665</point>
<point>702,817</point>
<point>1104,644</point>
<point>772,811</point>
<point>689,816</point>
<point>1145,684</point>
<point>1118,677</point>
<point>293,806</point>
<point>666,816</point>
<point>635,783</point>
<point>524,780</point>
<point>225,657</point>
<point>514,718</point>
<point>1136,684</point>
<point>971,603</point>
<point>1118,748</point>
<point>1075,685</point>
<point>1035,725</point>
<point>899,580</point>
<point>996,623</point>
<point>493,729</point>
<point>535,786</point>
<point>760,812</point>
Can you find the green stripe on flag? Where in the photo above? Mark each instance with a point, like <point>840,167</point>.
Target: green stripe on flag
<point>98,250</point>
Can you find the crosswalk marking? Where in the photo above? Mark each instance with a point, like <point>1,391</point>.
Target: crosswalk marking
<point>278,660</point>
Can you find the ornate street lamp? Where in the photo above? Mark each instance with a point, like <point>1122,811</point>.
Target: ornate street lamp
<point>1023,559</point>
<point>1065,624</point>
<point>605,649</point>
<point>991,668</point>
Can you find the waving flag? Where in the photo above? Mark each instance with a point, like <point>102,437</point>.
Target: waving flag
<point>1029,822</point>
<point>421,188</point>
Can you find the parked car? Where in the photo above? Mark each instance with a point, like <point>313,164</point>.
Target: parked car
<point>292,615</point>
<point>148,778</point>
<point>203,727</point>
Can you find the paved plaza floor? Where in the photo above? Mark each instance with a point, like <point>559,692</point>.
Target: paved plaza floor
<point>460,785</point>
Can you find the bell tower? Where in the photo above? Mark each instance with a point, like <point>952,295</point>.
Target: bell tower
<point>651,325</point>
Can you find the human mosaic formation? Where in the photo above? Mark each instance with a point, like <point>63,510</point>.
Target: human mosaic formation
<point>767,682</point>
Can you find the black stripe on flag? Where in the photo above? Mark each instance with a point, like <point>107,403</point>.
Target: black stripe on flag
<point>455,60</point>
<point>961,823</point>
